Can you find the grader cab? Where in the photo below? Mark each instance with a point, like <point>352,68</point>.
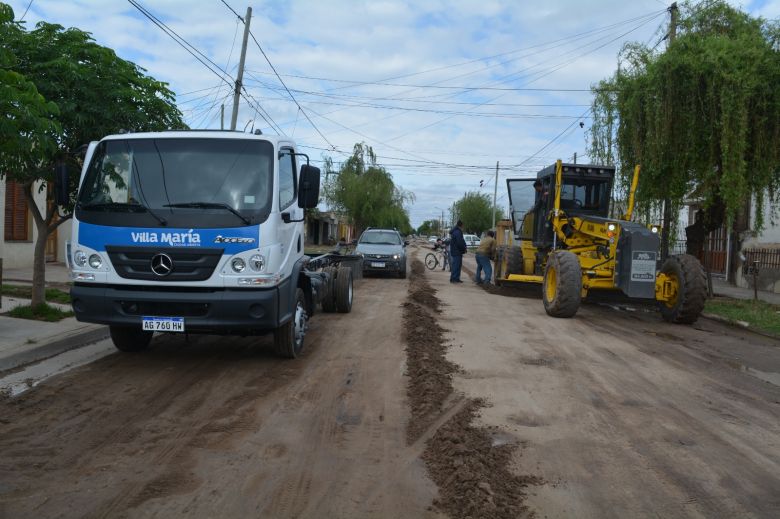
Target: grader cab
<point>560,235</point>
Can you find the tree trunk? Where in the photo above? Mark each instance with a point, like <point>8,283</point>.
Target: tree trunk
<point>39,265</point>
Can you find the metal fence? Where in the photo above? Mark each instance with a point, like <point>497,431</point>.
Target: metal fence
<point>764,259</point>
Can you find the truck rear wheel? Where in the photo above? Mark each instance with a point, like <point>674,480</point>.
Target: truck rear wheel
<point>344,290</point>
<point>562,287</point>
<point>691,289</point>
<point>288,338</point>
<point>329,290</point>
<point>130,338</point>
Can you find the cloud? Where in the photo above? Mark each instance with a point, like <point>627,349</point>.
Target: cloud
<point>559,45</point>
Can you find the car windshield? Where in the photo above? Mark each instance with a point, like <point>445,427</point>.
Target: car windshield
<point>380,238</point>
<point>189,182</point>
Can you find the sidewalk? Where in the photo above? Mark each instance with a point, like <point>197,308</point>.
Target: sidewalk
<point>23,341</point>
<point>723,288</point>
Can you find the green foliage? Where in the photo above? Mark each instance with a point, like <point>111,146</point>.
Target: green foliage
<point>41,312</point>
<point>25,292</point>
<point>82,91</point>
<point>366,193</point>
<point>758,314</point>
<point>702,118</point>
<point>430,227</point>
<point>475,210</point>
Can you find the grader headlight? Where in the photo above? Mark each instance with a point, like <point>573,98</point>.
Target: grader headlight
<point>654,229</point>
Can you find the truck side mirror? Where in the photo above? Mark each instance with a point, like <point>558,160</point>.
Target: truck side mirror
<point>61,195</point>
<point>309,187</point>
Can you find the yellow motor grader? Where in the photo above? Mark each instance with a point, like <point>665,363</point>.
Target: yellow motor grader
<point>561,236</point>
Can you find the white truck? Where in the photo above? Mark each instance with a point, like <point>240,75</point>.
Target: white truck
<point>199,232</point>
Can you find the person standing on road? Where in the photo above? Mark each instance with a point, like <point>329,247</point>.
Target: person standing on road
<point>485,253</point>
<point>457,250</point>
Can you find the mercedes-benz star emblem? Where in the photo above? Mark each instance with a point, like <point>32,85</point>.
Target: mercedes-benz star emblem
<point>162,264</point>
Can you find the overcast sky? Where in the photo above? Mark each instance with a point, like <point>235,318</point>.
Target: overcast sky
<point>441,90</point>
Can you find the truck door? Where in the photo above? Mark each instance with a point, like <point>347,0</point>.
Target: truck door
<point>290,227</point>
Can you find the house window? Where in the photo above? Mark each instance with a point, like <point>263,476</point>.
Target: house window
<point>15,212</point>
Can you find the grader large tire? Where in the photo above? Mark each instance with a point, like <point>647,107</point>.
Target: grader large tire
<point>686,271</point>
<point>514,260</point>
<point>562,287</point>
<point>344,290</point>
<point>498,273</point>
<point>329,290</point>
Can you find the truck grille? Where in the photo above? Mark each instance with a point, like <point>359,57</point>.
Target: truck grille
<point>188,264</point>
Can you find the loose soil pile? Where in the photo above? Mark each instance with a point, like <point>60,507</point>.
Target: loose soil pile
<point>471,472</point>
<point>429,371</point>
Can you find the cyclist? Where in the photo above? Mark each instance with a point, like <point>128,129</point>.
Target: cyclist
<point>442,246</point>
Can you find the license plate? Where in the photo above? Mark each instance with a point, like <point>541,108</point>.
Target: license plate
<point>378,264</point>
<point>163,324</point>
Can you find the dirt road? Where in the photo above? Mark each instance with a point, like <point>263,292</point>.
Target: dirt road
<point>218,427</point>
<point>609,414</point>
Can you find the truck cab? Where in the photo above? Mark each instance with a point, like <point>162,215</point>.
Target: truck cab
<point>193,232</point>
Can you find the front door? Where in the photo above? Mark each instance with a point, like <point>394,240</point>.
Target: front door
<point>289,235</point>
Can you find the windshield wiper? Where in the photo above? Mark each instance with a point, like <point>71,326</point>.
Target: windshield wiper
<point>121,206</point>
<point>211,205</point>
<point>114,206</point>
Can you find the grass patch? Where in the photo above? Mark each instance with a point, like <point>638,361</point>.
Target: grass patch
<point>758,314</point>
<point>42,312</point>
<point>53,295</point>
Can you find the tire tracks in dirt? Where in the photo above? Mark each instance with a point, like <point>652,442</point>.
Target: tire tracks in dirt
<point>470,466</point>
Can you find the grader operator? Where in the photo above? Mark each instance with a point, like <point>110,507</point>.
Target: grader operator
<point>562,237</point>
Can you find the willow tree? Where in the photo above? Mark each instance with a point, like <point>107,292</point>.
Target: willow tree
<point>366,193</point>
<point>702,117</point>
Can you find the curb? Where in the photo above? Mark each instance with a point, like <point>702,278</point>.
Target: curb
<point>44,351</point>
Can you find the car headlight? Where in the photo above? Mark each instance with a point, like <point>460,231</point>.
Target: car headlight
<point>396,256</point>
<point>238,265</point>
<point>611,227</point>
<point>257,262</point>
<point>95,261</point>
<point>80,258</point>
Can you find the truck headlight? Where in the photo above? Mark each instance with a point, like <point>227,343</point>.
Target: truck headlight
<point>257,262</point>
<point>95,261</point>
<point>80,258</point>
<point>238,265</point>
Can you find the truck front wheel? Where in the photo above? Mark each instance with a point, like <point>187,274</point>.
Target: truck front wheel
<point>288,338</point>
<point>130,338</point>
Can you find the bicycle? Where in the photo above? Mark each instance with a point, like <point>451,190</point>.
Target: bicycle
<point>434,259</point>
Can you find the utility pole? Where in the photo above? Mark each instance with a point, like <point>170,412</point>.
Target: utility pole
<point>575,157</point>
<point>495,192</point>
<point>667,224</point>
<point>222,117</point>
<point>240,76</point>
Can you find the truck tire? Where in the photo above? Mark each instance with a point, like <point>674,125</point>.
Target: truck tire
<point>328,300</point>
<point>130,338</point>
<point>514,260</point>
<point>344,290</point>
<point>691,289</point>
<point>288,338</point>
<point>562,287</point>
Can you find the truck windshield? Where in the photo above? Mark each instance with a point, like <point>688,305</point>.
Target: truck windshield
<point>178,182</point>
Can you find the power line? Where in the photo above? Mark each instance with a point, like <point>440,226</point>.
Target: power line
<point>25,11</point>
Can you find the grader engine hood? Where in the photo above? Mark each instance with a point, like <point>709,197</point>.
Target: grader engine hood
<point>637,260</point>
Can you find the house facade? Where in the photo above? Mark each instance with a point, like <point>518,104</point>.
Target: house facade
<point>327,228</point>
<point>17,228</point>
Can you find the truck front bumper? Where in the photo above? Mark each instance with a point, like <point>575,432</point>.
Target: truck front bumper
<point>205,310</point>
